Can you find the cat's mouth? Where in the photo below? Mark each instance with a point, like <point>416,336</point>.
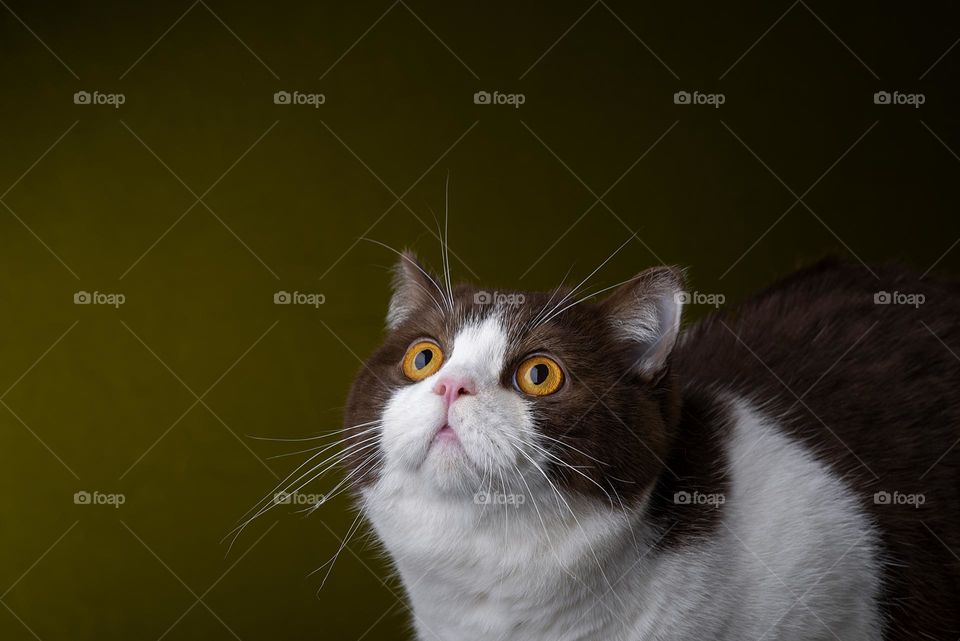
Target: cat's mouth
<point>446,436</point>
<point>446,452</point>
<point>447,447</point>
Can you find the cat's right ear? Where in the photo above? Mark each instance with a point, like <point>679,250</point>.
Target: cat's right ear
<point>646,312</point>
<point>413,288</point>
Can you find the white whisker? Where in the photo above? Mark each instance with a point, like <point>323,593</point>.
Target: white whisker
<point>449,302</point>
<point>573,291</point>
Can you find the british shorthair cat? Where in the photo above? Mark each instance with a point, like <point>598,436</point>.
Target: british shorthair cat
<point>544,467</point>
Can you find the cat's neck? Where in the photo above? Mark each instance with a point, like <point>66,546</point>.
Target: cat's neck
<point>467,571</point>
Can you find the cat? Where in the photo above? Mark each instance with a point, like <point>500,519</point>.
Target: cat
<point>543,467</point>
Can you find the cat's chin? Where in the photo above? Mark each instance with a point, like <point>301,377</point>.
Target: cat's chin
<point>449,468</point>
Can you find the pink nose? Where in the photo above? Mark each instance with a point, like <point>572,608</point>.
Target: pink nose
<point>453,387</point>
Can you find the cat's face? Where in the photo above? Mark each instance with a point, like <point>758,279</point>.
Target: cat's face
<point>473,394</point>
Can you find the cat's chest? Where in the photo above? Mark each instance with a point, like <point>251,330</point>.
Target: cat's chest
<point>469,601</point>
<point>529,601</point>
<point>461,556</point>
<point>498,578</point>
<point>523,619</point>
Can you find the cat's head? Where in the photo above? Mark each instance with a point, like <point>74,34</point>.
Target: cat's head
<point>474,390</point>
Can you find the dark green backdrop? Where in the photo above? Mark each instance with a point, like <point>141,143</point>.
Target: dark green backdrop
<point>198,198</point>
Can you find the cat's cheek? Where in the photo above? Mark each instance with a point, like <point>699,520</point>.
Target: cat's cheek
<point>501,433</point>
<point>410,418</point>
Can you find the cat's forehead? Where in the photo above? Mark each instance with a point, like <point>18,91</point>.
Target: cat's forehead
<point>515,312</point>
<point>509,303</point>
<point>480,346</point>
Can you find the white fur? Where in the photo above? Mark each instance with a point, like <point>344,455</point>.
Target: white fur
<point>794,557</point>
<point>485,421</point>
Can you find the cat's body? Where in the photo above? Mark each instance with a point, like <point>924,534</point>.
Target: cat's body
<point>720,483</point>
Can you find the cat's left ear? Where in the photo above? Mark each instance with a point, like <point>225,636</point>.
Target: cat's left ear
<point>413,288</point>
<point>646,311</point>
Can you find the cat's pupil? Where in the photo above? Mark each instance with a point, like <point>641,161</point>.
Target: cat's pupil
<point>423,358</point>
<point>538,374</point>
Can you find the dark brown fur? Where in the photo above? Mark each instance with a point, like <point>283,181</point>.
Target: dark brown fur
<point>890,405</point>
<point>879,394</point>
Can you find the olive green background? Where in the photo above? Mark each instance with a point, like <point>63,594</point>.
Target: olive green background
<point>199,198</point>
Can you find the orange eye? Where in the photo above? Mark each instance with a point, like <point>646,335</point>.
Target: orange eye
<point>422,359</point>
<point>539,376</point>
